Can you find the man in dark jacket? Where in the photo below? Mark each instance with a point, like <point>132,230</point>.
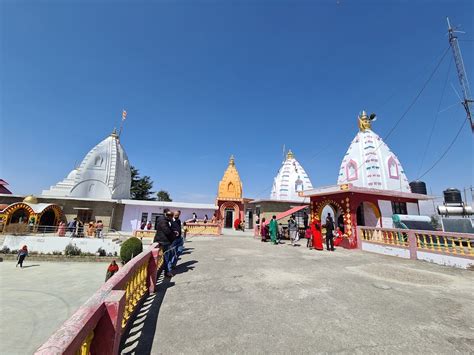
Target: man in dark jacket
<point>165,236</point>
<point>329,233</point>
<point>178,243</point>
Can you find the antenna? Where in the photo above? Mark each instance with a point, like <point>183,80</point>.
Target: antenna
<point>467,100</point>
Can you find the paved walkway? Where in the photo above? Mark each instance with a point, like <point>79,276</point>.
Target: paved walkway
<point>238,295</point>
<point>36,300</point>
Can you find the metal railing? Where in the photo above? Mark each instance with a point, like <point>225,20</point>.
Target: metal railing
<point>97,326</point>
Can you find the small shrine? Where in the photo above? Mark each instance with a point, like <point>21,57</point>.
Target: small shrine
<point>229,200</point>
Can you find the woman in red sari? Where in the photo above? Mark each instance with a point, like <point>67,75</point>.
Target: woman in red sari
<point>338,235</point>
<point>316,232</point>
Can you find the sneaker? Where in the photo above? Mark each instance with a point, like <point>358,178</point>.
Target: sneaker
<point>169,274</point>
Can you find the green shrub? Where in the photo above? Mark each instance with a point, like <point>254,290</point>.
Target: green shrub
<point>101,252</point>
<point>130,248</point>
<point>5,250</point>
<point>72,250</point>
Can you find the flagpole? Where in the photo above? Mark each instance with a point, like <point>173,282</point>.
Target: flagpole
<point>124,116</point>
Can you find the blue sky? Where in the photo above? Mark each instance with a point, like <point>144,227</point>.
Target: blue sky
<point>205,79</point>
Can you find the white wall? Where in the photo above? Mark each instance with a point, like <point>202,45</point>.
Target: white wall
<point>132,214</point>
<point>386,250</point>
<point>50,244</point>
<point>386,211</point>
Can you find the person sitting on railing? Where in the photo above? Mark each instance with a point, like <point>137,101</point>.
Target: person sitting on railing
<point>111,270</point>
<point>205,218</point>
<point>165,236</point>
<point>148,226</point>
<point>195,217</point>
<point>143,225</point>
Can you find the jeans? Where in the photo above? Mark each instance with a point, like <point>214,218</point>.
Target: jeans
<point>178,245</point>
<point>167,256</point>
<point>329,242</point>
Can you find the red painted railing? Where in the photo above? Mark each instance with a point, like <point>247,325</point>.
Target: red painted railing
<point>97,326</point>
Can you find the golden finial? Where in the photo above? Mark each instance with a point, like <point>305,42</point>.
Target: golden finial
<point>290,155</point>
<point>232,160</point>
<point>365,121</point>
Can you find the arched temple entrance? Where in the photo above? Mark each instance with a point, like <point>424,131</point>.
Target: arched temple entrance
<point>322,209</point>
<point>229,211</point>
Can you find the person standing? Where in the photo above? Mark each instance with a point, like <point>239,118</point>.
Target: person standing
<point>99,226</point>
<point>195,217</point>
<point>164,236</point>
<point>62,229</point>
<point>273,228</point>
<point>329,232</point>
<point>293,230</point>
<point>22,254</point>
<point>205,218</point>
<point>264,230</point>
<point>305,220</point>
<point>316,233</point>
<point>178,243</point>
<point>111,270</point>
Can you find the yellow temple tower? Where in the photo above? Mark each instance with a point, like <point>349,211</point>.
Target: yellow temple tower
<point>229,196</point>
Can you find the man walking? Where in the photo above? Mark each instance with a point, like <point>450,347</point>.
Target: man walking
<point>165,236</point>
<point>273,228</point>
<point>293,229</point>
<point>329,233</point>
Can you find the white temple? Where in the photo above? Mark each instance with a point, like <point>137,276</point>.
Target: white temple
<point>290,180</point>
<point>370,163</point>
<point>103,174</point>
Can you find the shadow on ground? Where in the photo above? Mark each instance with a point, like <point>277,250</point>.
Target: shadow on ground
<point>139,337</point>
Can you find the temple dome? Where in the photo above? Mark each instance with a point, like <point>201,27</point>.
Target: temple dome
<point>30,199</point>
<point>230,187</point>
<point>290,180</point>
<point>370,163</point>
<point>104,173</point>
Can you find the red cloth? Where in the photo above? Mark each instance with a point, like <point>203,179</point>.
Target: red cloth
<point>338,239</point>
<point>113,268</point>
<point>237,223</point>
<point>317,238</point>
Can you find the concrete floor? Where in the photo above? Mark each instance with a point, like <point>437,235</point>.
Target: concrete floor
<point>37,299</point>
<point>238,295</point>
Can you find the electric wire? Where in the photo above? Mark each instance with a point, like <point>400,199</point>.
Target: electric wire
<point>412,103</point>
<point>446,150</point>
<point>435,119</point>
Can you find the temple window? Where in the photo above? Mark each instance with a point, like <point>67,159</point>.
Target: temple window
<point>393,168</point>
<point>98,161</point>
<point>230,187</point>
<point>351,170</point>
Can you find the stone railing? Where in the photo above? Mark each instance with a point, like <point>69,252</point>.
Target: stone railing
<point>97,326</point>
<point>198,228</point>
<point>456,249</point>
<point>203,228</point>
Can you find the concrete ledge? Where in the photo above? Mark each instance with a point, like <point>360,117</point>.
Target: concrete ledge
<point>447,260</point>
<point>60,258</point>
<point>386,250</point>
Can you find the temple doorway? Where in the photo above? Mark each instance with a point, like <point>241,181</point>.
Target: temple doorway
<point>48,218</point>
<point>228,218</point>
<point>20,216</point>
<point>368,215</point>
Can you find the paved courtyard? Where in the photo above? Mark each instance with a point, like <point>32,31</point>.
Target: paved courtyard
<point>37,299</point>
<point>238,295</point>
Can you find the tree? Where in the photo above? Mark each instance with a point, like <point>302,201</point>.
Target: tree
<point>163,195</point>
<point>141,186</point>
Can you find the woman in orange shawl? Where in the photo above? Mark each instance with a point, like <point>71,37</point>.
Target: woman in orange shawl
<point>338,235</point>
<point>316,232</point>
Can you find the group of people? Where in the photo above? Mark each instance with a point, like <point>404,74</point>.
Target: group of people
<point>312,233</point>
<point>169,235</point>
<point>76,229</point>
